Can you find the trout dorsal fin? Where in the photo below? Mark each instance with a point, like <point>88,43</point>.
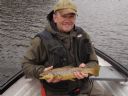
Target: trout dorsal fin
<point>67,67</point>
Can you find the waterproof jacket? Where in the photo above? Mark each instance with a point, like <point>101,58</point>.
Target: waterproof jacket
<point>72,48</point>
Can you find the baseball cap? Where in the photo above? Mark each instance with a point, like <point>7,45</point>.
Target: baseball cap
<point>67,6</point>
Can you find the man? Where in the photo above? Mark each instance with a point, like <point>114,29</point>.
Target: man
<point>62,43</point>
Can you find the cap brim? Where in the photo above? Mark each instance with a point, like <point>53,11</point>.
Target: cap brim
<point>67,11</point>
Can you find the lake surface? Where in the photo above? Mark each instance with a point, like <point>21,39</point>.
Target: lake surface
<point>105,20</point>
<point>107,23</point>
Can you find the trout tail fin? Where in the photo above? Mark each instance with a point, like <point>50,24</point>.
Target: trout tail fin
<point>94,71</point>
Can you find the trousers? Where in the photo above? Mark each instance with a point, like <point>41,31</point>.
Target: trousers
<point>96,90</point>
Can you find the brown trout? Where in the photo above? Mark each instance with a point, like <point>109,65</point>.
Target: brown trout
<point>67,73</point>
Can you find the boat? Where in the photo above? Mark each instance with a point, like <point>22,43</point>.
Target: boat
<point>113,78</point>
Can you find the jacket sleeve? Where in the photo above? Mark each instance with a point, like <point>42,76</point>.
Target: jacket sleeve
<point>34,59</point>
<point>93,60</point>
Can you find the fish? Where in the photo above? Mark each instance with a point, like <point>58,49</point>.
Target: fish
<point>67,72</point>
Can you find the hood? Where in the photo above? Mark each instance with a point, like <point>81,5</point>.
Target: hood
<point>50,16</point>
<point>51,25</point>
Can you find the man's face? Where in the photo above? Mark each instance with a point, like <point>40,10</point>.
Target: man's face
<point>65,22</point>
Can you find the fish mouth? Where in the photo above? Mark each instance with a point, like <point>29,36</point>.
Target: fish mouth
<point>46,77</point>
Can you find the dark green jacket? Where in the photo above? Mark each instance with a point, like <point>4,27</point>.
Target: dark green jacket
<point>36,58</point>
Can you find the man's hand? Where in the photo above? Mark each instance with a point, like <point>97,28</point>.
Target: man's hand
<point>48,68</point>
<point>81,75</point>
<point>52,80</point>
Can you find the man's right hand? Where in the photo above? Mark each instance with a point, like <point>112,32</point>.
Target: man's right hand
<point>52,80</point>
<point>48,68</point>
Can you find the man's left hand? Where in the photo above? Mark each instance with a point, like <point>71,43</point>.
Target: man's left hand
<point>81,75</point>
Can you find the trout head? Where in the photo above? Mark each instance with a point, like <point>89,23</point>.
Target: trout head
<point>47,76</point>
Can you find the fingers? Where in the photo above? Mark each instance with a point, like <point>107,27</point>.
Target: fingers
<point>56,80</point>
<point>80,75</point>
<point>50,80</point>
<point>53,80</point>
<point>82,65</point>
<point>48,68</point>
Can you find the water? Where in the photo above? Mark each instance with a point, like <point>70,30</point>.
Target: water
<point>107,23</point>
<point>105,20</point>
<point>20,20</point>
